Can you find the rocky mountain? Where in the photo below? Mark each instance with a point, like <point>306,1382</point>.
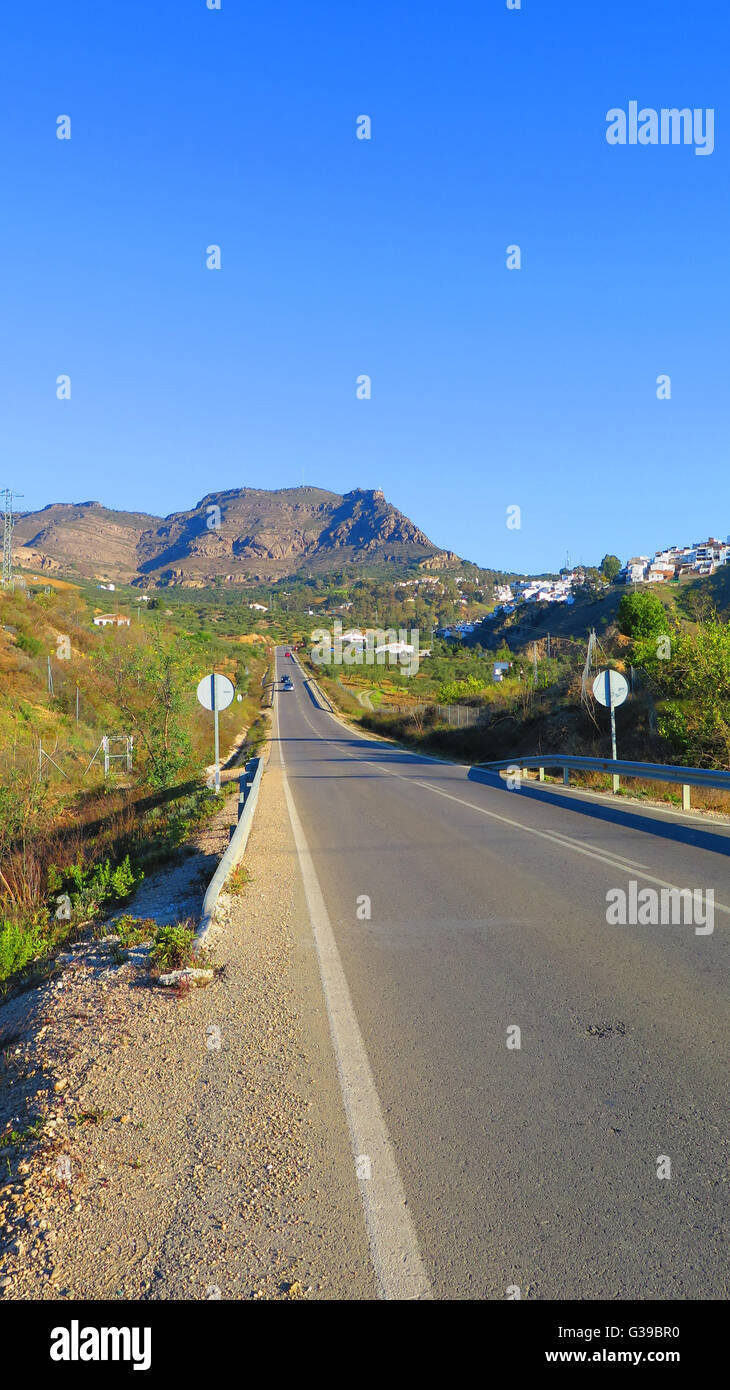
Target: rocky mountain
<point>242,535</point>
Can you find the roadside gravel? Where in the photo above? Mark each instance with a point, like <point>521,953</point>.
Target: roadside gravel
<point>188,1146</point>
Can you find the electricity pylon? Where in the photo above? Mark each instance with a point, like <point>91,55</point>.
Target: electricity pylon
<point>8,522</point>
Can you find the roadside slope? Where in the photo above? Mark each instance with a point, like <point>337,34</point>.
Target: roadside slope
<point>206,1145</point>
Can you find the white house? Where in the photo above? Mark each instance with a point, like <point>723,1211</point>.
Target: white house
<point>395,649</point>
<point>111,620</point>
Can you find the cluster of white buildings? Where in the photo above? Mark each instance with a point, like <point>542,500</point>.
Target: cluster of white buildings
<point>357,639</point>
<point>424,579</point>
<point>508,597</point>
<point>535,591</point>
<point>457,630</point>
<point>702,558</point>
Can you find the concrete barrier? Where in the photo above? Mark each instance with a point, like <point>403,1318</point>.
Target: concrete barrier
<point>249,784</point>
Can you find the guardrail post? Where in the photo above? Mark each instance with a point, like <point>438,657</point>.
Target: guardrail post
<point>615,781</point>
<point>686,803</point>
<point>566,776</point>
<point>244,783</point>
<point>541,774</point>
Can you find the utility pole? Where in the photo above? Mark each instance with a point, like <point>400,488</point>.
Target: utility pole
<point>8,523</point>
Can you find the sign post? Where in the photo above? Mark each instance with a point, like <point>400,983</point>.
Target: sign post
<point>611,689</point>
<point>215,693</point>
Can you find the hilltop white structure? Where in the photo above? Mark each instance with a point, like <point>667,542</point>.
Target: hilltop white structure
<point>703,557</point>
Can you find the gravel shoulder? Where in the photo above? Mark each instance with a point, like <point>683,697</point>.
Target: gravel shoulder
<point>187,1146</point>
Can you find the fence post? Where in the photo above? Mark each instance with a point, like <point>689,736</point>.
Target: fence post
<point>686,802</point>
<point>541,774</point>
<point>566,776</point>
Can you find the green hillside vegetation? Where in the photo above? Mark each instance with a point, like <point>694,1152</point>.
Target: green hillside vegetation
<point>62,821</point>
<point>671,642</point>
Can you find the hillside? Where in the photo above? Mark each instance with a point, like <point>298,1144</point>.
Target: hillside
<point>241,535</point>
<point>64,685</point>
<point>532,622</point>
<point>692,597</point>
<point>84,538</point>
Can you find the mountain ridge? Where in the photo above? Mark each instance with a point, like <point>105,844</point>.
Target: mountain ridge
<point>241,535</point>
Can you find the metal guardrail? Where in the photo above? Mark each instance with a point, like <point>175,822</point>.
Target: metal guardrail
<point>324,700</point>
<point>686,777</point>
<point>267,686</point>
<point>248,784</point>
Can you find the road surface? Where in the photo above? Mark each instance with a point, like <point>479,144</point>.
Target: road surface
<point>449,911</point>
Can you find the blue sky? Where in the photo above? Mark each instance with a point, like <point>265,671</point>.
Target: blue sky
<point>490,388</point>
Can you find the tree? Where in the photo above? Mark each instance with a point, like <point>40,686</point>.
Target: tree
<point>610,566</point>
<point>150,685</point>
<point>696,687</point>
<point>641,614</point>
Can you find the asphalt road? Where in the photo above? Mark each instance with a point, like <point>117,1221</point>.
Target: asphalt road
<point>496,1167</point>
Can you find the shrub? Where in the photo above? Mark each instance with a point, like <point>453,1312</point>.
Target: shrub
<point>132,931</point>
<point>22,941</point>
<point>29,644</point>
<point>459,690</point>
<point>172,949</point>
<point>237,880</point>
<point>91,888</point>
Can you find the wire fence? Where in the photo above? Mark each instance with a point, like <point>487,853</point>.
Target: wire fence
<point>459,716</point>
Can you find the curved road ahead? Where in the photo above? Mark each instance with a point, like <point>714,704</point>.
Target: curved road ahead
<point>447,911</point>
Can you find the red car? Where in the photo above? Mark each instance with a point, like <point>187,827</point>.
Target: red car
<point>289,656</point>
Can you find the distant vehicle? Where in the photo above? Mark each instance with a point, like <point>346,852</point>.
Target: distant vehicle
<point>290,656</point>
<point>287,683</point>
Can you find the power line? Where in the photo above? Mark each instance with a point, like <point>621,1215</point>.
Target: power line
<point>8,523</point>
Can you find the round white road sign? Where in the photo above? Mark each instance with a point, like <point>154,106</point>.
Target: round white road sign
<point>610,687</point>
<point>215,692</point>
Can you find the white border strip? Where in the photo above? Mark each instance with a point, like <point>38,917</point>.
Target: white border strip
<point>394,1250</point>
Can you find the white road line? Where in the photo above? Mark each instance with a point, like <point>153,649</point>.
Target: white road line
<point>627,866</point>
<point>399,1269</point>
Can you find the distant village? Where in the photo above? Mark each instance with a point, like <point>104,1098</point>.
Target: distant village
<point>672,563</point>
<point>677,560</point>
